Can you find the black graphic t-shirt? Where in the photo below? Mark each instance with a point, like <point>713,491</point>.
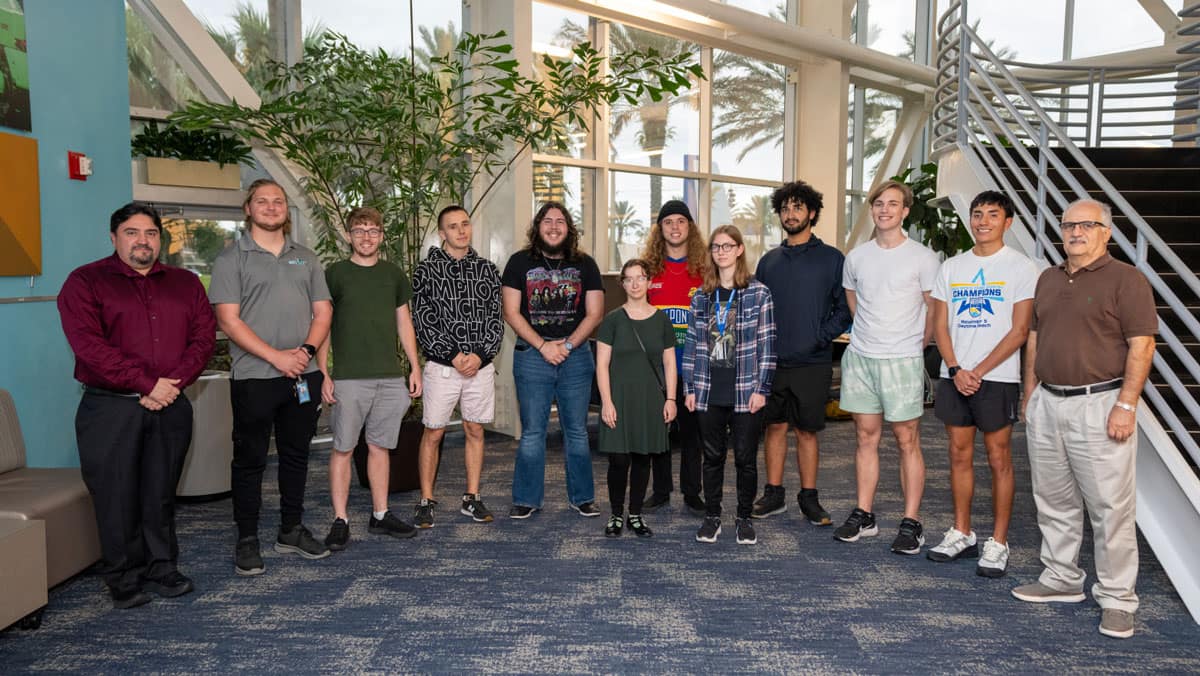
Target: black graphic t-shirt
<point>552,290</point>
<point>722,355</point>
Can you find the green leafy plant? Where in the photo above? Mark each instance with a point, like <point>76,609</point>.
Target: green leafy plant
<point>200,145</point>
<point>940,229</point>
<point>371,128</point>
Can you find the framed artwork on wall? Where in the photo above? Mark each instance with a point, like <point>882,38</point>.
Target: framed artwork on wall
<point>20,207</point>
<point>14,67</point>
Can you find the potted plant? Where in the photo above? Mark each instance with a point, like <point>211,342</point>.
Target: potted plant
<point>195,158</point>
<point>939,229</point>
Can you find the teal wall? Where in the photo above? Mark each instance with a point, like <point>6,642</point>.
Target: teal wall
<point>79,98</point>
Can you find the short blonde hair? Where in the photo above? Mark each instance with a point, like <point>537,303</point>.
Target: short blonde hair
<point>888,185</point>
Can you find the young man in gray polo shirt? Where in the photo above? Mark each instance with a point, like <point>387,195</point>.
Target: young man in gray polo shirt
<point>271,300</point>
<point>371,298</point>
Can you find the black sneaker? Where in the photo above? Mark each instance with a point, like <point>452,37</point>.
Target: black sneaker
<point>656,501</point>
<point>124,599</point>
<point>615,524</point>
<point>423,514</point>
<point>521,512</point>
<point>300,541</point>
<point>910,538</point>
<point>859,524</point>
<point>709,529</point>
<point>473,507</point>
<point>694,504</point>
<point>339,535</point>
<point>246,558</point>
<point>771,502</point>
<point>745,532</point>
<point>812,509</point>
<point>170,585</point>
<point>639,527</point>
<point>587,509</point>
<point>390,525</point>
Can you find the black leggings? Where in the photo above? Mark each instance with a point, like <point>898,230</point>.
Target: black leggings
<point>634,467</point>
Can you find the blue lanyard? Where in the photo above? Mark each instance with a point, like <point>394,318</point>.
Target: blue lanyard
<point>723,312</point>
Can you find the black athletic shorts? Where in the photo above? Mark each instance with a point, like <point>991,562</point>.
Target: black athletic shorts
<point>798,396</point>
<point>994,407</point>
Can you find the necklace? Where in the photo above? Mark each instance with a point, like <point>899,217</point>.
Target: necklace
<point>555,268</point>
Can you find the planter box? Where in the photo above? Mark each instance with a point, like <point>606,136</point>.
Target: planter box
<point>404,469</point>
<point>186,173</point>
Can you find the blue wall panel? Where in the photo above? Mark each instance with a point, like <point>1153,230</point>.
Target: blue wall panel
<point>79,98</point>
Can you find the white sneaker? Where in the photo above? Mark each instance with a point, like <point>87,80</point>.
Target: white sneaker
<point>955,545</point>
<point>994,562</point>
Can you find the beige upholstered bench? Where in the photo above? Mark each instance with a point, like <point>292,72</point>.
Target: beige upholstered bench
<point>57,497</point>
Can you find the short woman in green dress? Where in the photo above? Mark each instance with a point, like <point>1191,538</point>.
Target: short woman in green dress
<point>636,381</point>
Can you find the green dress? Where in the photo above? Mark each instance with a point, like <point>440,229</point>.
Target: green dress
<point>635,390</point>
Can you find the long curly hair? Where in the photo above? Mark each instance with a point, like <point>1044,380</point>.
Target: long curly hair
<point>533,237</point>
<point>655,253</point>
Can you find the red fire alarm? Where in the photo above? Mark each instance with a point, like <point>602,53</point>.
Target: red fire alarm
<point>79,166</point>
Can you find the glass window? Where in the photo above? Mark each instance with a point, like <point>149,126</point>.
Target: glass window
<point>566,29</point>
<point>747,100</point>
<point>574,187</point>
<point>633,206</point>
<point>664,133</point>
<point>194,243</point>
<point>776,9</point>
<point>891,27</point>
<point>749,208</point>
<point>372,24</point>
<point>1119,28</point>
<point>155,80</point>
<point>1011,31</point>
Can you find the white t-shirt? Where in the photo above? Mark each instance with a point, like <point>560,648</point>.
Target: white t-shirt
<point>889,286</point>
<point>980,293</point>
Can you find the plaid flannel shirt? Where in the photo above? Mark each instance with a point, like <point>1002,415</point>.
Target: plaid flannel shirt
<point>754,352</point>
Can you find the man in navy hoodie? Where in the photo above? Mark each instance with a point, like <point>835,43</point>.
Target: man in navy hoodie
<point>805,278</point>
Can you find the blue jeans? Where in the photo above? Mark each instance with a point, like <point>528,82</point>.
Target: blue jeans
<point>540,383</point>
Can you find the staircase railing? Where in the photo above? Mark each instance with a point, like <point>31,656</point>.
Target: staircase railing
<point>980,106</point>
<point>1188,85</point>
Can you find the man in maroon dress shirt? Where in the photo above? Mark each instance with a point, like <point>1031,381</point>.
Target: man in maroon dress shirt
<point>141,332</point>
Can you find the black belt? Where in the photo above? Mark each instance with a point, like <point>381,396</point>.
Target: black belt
<point>1086,389</point>
<point>110,393</point>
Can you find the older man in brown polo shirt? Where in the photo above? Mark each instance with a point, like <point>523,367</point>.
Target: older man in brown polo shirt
<point>1086,360</point>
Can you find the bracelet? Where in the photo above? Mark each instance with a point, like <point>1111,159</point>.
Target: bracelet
<point>1128,407</point>
<point>542,345</point>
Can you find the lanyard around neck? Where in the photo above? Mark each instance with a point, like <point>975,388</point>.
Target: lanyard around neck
<point>723,311</point>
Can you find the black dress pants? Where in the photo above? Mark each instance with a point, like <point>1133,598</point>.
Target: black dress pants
<point>131,459</point>
<point>687,433</point>
<point>718,426</point>
<point>261,405</point>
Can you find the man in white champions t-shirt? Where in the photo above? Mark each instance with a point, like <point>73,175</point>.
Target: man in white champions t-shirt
<point>983,302</point>
<point>888,281</point>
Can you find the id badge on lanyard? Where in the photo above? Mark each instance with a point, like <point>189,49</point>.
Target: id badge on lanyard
<point>302,394</point>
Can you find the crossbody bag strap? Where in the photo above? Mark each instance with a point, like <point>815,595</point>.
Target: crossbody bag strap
<point>656,370</point>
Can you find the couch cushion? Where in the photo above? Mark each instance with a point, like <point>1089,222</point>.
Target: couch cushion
<point>12,444</point>
<point>60,498</point>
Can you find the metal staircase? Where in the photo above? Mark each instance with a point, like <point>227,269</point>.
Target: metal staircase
<point>995,129</point>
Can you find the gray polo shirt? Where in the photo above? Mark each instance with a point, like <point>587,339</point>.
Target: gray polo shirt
<point>275,295</point>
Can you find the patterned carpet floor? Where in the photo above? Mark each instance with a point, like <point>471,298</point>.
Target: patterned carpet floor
<point>551,595</point>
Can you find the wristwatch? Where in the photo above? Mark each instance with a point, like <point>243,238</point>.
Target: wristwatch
<point>567,344</point>
<point>312,351</point>
<point>953,371</point>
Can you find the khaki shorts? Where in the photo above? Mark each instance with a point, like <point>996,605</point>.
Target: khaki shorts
<point>443,387</point>
<point>893,387</point>
<point>379,404</point>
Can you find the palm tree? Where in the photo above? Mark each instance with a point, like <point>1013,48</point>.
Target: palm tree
<point>653,116</point>
<point>436,41</point>
<point>622,217</point>
<point>249,46</point>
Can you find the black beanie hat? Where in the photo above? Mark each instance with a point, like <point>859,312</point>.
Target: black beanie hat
<point>673,207</point>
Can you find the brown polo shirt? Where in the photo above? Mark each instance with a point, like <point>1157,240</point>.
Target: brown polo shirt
<point>1084,320</point>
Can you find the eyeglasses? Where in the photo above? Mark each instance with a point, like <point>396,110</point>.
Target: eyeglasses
<point>640,279</point>
<point>1086,226</point>
<point>361,233</point>
<point>723,248</point>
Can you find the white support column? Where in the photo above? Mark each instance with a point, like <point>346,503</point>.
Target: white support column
<point>821,116</point>
<point>501,220</point>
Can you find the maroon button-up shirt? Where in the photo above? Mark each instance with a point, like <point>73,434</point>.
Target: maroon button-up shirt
<point>128,330</point>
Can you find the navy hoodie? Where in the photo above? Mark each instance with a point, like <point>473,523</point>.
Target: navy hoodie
<point>810,304</point>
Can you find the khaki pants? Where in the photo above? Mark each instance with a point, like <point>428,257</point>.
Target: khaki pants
<point>1075,464</point>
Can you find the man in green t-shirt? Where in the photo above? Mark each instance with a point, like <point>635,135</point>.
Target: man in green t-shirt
<point>370,301</point>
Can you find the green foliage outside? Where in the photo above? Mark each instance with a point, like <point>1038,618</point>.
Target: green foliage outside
<point>371,128</point>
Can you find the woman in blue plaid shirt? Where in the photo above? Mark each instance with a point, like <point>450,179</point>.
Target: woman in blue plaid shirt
<point>728,365</point>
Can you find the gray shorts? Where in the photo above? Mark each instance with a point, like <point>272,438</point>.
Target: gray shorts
<point>377,403</point>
